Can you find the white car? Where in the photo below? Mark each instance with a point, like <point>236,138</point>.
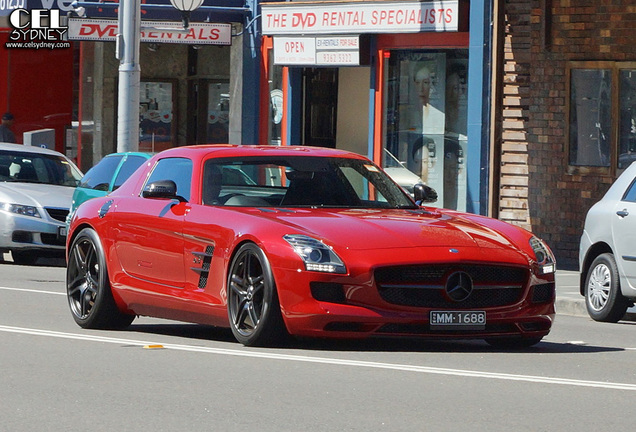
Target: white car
<point>399,173</point>
<point>36,188</point>
<point>607,254</point>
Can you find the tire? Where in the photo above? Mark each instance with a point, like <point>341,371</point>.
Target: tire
<point>513,342</point>
<point>252,300</point>
<point>24,257</point>
<point>603,297</point>
<point>88,288</point>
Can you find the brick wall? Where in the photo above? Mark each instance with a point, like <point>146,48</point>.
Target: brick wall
<point>536,190</point>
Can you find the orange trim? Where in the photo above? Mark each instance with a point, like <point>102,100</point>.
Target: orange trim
<point>263,127</point>
<point>378,116</point>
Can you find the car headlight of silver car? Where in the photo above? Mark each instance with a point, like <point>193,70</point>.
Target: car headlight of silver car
<point>545,259</point>
<point>20,209</point>
<point>316,255</point>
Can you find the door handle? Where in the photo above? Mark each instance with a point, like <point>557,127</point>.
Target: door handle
<point>622,213</point>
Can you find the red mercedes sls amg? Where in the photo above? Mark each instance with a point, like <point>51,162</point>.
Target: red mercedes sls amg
<point>278,241</point>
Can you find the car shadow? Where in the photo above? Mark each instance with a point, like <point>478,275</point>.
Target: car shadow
<point>39,262</point>
<point>374,344</point>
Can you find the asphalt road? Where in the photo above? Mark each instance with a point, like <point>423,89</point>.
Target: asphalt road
<point>165,376</point>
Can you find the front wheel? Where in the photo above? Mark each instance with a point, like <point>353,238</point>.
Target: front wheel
<point>88,288</point>
<point>603,297</point>
<point>252,301</point>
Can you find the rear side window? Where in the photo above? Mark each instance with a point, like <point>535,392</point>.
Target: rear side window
<point>630,195</point>
<point>179,170</point>
<point>100,175</point>
<point>129,166</point>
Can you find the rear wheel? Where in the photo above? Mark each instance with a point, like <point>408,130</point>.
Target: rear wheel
<point>88,288</point>
<point>253,308</point>
<point>603,297</point>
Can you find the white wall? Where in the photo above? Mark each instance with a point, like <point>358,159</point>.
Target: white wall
<point>352,129</point>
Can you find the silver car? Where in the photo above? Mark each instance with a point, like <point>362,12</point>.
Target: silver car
<point>36,187</point>
<point>607,254</point>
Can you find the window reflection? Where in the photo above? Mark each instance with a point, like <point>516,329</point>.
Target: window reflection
<point>590,117</point>
<point>426,112</point>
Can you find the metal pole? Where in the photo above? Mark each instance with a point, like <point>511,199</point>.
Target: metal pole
<point>129,17</point>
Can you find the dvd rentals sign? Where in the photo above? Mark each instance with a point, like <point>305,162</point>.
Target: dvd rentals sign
<point>358,18</point>
<point>152,31</point>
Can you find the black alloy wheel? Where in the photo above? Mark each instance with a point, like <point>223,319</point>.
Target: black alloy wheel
<point>253,308</point>
<point>88,288</point>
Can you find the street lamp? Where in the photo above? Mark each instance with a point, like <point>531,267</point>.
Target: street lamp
<point>129,17</point>
<point>185,7</point>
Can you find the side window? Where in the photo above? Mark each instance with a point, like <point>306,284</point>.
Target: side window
<point>100,175</point>
<point>630,195</point>
<point>129,166</point>
<point>179,170</point>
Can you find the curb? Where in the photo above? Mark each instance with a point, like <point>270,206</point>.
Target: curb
<point>565,306</point>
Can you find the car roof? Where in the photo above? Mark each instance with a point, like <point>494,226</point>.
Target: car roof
<point>28,149</point>
<point>231,150</point>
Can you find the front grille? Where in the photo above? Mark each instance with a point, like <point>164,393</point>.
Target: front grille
<point>424,285</point>
<point>328,292</point>
<point>543,293</point>
<point>57,213</point>
<point>22,237</point>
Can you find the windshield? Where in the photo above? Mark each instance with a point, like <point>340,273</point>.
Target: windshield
<point>26,167</point>
<point>300,182</point>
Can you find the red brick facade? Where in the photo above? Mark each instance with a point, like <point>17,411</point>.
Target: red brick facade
<point>539,38</point>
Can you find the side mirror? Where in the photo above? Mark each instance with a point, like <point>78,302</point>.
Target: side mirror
<point>161,189</point>
<point>424,193</point>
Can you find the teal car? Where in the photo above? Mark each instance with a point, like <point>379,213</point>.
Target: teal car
<point>106,176</point>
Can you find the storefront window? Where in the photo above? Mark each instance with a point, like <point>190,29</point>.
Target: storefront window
<point>156,111</point>
<point>218,112</point>
<point>426,119</point>
<point>627,120</point>
<point>602,116</point>
<point>275,83</point>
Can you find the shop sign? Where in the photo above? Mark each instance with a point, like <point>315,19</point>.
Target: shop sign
<point>152,31</point>
<point>317,51</point>
<point>357,18</point>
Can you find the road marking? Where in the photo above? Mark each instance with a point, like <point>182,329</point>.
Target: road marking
<point>32,291</point>
<point>324,360</point>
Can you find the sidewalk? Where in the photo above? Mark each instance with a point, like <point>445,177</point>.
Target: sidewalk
<point>569,301</point>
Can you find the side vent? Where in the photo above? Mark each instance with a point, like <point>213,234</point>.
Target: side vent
<point>205,258</point>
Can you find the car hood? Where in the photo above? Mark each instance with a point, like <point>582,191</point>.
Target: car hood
<point>37,194</point>
<point>386,229</point>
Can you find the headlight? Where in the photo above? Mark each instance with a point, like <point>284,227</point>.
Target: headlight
<point>545,259</point>
<point>20,209</point>
<point>316,255</point>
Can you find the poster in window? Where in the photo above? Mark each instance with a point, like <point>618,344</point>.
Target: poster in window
<point>156,114</point>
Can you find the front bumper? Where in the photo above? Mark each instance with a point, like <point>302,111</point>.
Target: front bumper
<point>362,312</point>
<point>18,232</point>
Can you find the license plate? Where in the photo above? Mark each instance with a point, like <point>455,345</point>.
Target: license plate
<point>465,320</point>
<point>61,231</point>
